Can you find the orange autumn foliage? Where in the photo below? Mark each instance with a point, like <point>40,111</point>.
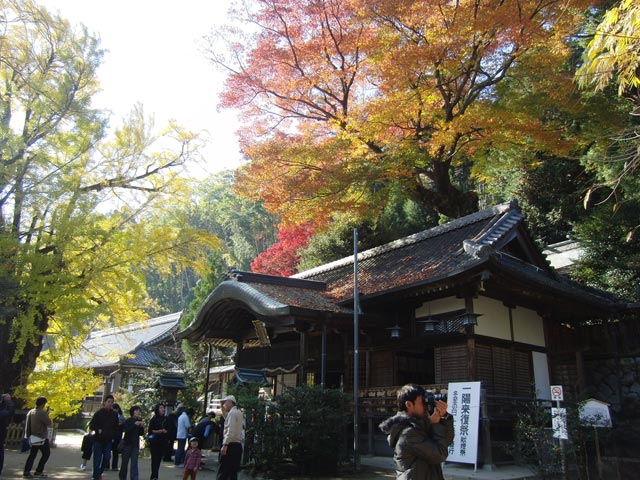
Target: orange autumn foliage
<point>342,97</point>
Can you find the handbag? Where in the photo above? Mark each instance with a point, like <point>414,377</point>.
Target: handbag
<point>35,440</point>
<point>25,446</point>
<point>120,446</point>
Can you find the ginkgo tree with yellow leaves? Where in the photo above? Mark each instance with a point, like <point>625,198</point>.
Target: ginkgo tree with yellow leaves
<point>81,206</point>
<point>343,98</point>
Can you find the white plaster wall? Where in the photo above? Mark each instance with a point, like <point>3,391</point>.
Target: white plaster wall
<point>541,375</point>
<point>528,327</point>
<point>442,305</point>
<point>494,321</point>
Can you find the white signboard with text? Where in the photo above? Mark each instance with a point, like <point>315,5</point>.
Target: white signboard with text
<point>463,400</point>
<point>594,413</point>
<point>559,423</point>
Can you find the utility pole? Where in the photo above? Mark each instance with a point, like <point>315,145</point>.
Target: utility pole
<point>356,360</point>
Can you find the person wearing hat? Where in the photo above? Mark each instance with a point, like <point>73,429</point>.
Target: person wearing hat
<point>192,460</point>
<point>231,451</point>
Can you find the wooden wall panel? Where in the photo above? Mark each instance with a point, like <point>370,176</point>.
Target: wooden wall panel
<point>381,369</point>
<point>452,364</point>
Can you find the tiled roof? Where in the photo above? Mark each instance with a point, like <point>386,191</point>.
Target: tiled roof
<point>299,297</point>
<point>107,347</point>
<point>431,254</point>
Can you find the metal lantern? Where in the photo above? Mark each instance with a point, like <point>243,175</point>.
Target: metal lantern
<point>396,331</point>
<point>469,318</point>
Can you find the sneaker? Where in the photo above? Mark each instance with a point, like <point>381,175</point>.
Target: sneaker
<point>27,475</point>
<point>83,467</point>
<point>180,465</point>
<point>40,475</point>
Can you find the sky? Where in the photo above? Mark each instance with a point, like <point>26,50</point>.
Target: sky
<point>152,57</point>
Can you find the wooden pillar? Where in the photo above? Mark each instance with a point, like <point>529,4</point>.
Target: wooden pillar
<point>485,432</point>
<point>303,358</point>
<point>471,343</point>
<point>512,353</point>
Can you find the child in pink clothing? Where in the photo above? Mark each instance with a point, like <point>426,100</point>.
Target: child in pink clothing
<point>192,460</point>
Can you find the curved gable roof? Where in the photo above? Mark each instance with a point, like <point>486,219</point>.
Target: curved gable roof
<point>106,347</point>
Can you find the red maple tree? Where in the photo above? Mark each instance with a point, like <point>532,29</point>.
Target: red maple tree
<point>282,257</point>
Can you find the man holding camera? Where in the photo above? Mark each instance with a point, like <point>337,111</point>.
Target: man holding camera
<point>420,440</point>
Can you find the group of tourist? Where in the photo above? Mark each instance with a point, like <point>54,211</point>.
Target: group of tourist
<point>420,438</point>
<point>162,431</point>
<point>113,436</point>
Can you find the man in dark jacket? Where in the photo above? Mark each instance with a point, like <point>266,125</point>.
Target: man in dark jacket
<point>6,414</point>
<point>420,441</point>
<point>105,424</point>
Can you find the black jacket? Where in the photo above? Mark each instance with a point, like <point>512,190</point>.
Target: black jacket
<point>132,432</point>
<point>419,447</point>
<point>6,414</point>
<point>105,424</point>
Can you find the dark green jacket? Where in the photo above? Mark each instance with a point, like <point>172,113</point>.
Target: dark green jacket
<point>419,447</point>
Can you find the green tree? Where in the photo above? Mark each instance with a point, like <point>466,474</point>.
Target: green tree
<point>399,218</point>
<point>613,54</point>
<point>612,58</point>
<point>611,258</point>
<point>244,227</point>
<point>79,211</point>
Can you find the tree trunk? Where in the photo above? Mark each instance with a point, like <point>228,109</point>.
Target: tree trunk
<point>442,196</point>
<point>16,372</point>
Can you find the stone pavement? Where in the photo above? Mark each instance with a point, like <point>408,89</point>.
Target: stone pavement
<point>65,460</point>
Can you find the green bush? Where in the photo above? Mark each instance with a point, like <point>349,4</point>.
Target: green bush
<point>314,424</point>
<point>535,446</point>
<point>304,428</point>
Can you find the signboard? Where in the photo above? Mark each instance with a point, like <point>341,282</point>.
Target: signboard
<point>594,413</point>
<point>559,423</point>
<point>464,405</point>
<point>557,394</point>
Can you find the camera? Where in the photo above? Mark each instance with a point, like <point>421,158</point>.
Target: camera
<point>430,400</point>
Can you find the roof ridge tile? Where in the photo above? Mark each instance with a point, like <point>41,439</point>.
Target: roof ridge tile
<point>414,238</point>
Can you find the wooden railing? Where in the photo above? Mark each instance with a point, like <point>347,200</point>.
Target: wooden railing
<point>14,435</point>
<point>380,401</point>
<point>15,432</point>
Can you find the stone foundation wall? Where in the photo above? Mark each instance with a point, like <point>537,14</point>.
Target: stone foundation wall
<point>617,382</point>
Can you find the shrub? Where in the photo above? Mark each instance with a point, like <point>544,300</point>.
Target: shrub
<point>304,427</point>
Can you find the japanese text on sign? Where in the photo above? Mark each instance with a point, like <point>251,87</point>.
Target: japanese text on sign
<point>464,406</point>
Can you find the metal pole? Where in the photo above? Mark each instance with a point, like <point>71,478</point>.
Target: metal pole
<point>323,362</point>
<point>356,346</point>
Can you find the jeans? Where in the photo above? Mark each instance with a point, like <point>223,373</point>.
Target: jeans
<point>1,453</point>
<point>115,454</point>
<point>130,453</point>
<point>182,442</point>
<point>101,457</point>
<point>44,450</point>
